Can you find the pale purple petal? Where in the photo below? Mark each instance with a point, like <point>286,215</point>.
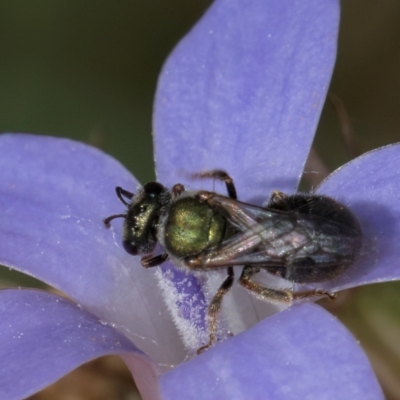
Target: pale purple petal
<point>43,337</point>
<point>54,194</point>
<point>370,187</point>
<point>301,353</point>
<point>243,92</point>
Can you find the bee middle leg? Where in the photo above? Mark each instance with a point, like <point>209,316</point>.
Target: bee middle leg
<point>215,307</point>
<point>220,176</point>
<point>264,293</point>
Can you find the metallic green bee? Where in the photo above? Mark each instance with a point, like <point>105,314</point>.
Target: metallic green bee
<point>303,238</point>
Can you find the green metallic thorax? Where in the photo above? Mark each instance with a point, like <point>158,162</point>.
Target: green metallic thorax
<point>192,226</point>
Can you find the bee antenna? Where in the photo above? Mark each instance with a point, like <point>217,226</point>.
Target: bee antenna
<point>122,192</point>
<point>111,217</point>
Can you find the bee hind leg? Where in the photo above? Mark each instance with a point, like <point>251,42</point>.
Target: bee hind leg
<point>276,199</point>
<point>263,293</point>
<point>313,293</point>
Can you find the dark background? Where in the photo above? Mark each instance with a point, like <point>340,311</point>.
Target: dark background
<point>88,69</point>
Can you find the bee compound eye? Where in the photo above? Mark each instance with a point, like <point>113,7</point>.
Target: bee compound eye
<point>130,247</point>
<point>153,188</point>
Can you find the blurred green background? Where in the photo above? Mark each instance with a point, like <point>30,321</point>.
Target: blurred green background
<point>88,70</point>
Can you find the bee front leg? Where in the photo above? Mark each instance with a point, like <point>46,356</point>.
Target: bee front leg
<point>263,293</point>
<point>154,261</point>
<point>215,307</point>
<point>178,189</point>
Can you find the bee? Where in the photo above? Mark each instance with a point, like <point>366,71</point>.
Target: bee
<point>302,238</point>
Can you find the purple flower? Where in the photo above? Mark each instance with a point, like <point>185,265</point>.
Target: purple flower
<point>242,92</point>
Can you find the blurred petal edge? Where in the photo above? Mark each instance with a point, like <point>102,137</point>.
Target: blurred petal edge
<point>300,353</point>
<point>44,336</point>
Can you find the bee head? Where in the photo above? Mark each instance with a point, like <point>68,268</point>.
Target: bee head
<point>139,235</point>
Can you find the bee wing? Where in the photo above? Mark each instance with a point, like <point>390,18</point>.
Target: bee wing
<point>256,242</point>
<point>238,250</point>
<point>244,216</point>
<point>327,236</point>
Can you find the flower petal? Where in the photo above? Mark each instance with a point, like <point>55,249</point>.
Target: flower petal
<point>370,187</point>
<point>301,353</point>
<point>243,92</point>
<point>54,194</point>
<point>44,336</point>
